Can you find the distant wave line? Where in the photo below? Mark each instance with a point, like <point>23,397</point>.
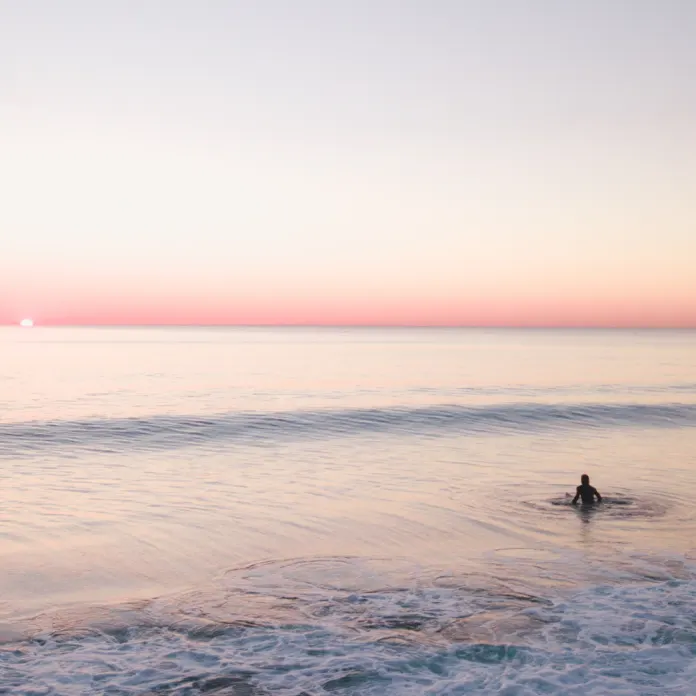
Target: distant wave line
<point>165,432</point>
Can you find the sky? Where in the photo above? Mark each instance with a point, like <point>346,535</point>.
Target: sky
<point>417,162</point>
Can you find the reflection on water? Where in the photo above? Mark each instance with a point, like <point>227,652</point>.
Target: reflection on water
<point>366,512</point>
<point>139,525</point>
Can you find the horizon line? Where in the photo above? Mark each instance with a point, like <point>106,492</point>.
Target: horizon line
<point>507,327</point>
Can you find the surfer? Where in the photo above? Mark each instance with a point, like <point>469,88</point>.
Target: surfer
<point>586,492</point>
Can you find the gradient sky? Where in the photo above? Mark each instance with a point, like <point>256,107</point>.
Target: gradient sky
<point>519,162</point>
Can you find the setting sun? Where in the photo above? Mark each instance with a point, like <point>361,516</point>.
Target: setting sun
<point>27,323</point>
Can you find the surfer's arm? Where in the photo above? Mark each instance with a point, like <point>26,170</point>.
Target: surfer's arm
<point>599,497</point>
<point>575,499</point>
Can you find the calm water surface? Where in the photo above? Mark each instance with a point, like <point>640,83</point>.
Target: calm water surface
<point>304,511</point>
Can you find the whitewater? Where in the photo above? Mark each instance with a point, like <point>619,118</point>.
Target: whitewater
<point>306,511</point>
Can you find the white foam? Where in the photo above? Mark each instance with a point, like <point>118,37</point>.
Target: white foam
<point>637,638</point>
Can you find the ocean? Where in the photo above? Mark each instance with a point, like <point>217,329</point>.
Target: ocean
<point>303,511</point>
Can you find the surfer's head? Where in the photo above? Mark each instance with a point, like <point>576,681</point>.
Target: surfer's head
<point>585,480</point>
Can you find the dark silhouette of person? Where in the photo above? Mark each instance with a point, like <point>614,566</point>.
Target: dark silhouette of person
<point>586,492</point>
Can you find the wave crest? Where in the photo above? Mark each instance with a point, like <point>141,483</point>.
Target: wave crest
<point>166,432</point>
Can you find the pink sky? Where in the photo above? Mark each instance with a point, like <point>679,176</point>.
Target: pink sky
<point>348,163</point>
<point>166,305</point>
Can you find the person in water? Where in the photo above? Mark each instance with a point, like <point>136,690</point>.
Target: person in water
<point>586,492</point>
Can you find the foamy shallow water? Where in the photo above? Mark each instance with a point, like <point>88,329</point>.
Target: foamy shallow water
<point>307,634</point>
<point>367,512</point>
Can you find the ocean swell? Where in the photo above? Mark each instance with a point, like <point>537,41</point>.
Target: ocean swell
<point>167,432</point>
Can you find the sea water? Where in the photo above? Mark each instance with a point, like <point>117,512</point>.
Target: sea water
<point>351,511</point>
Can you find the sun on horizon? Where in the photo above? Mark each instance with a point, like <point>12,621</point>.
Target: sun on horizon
<point>27,323</point>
